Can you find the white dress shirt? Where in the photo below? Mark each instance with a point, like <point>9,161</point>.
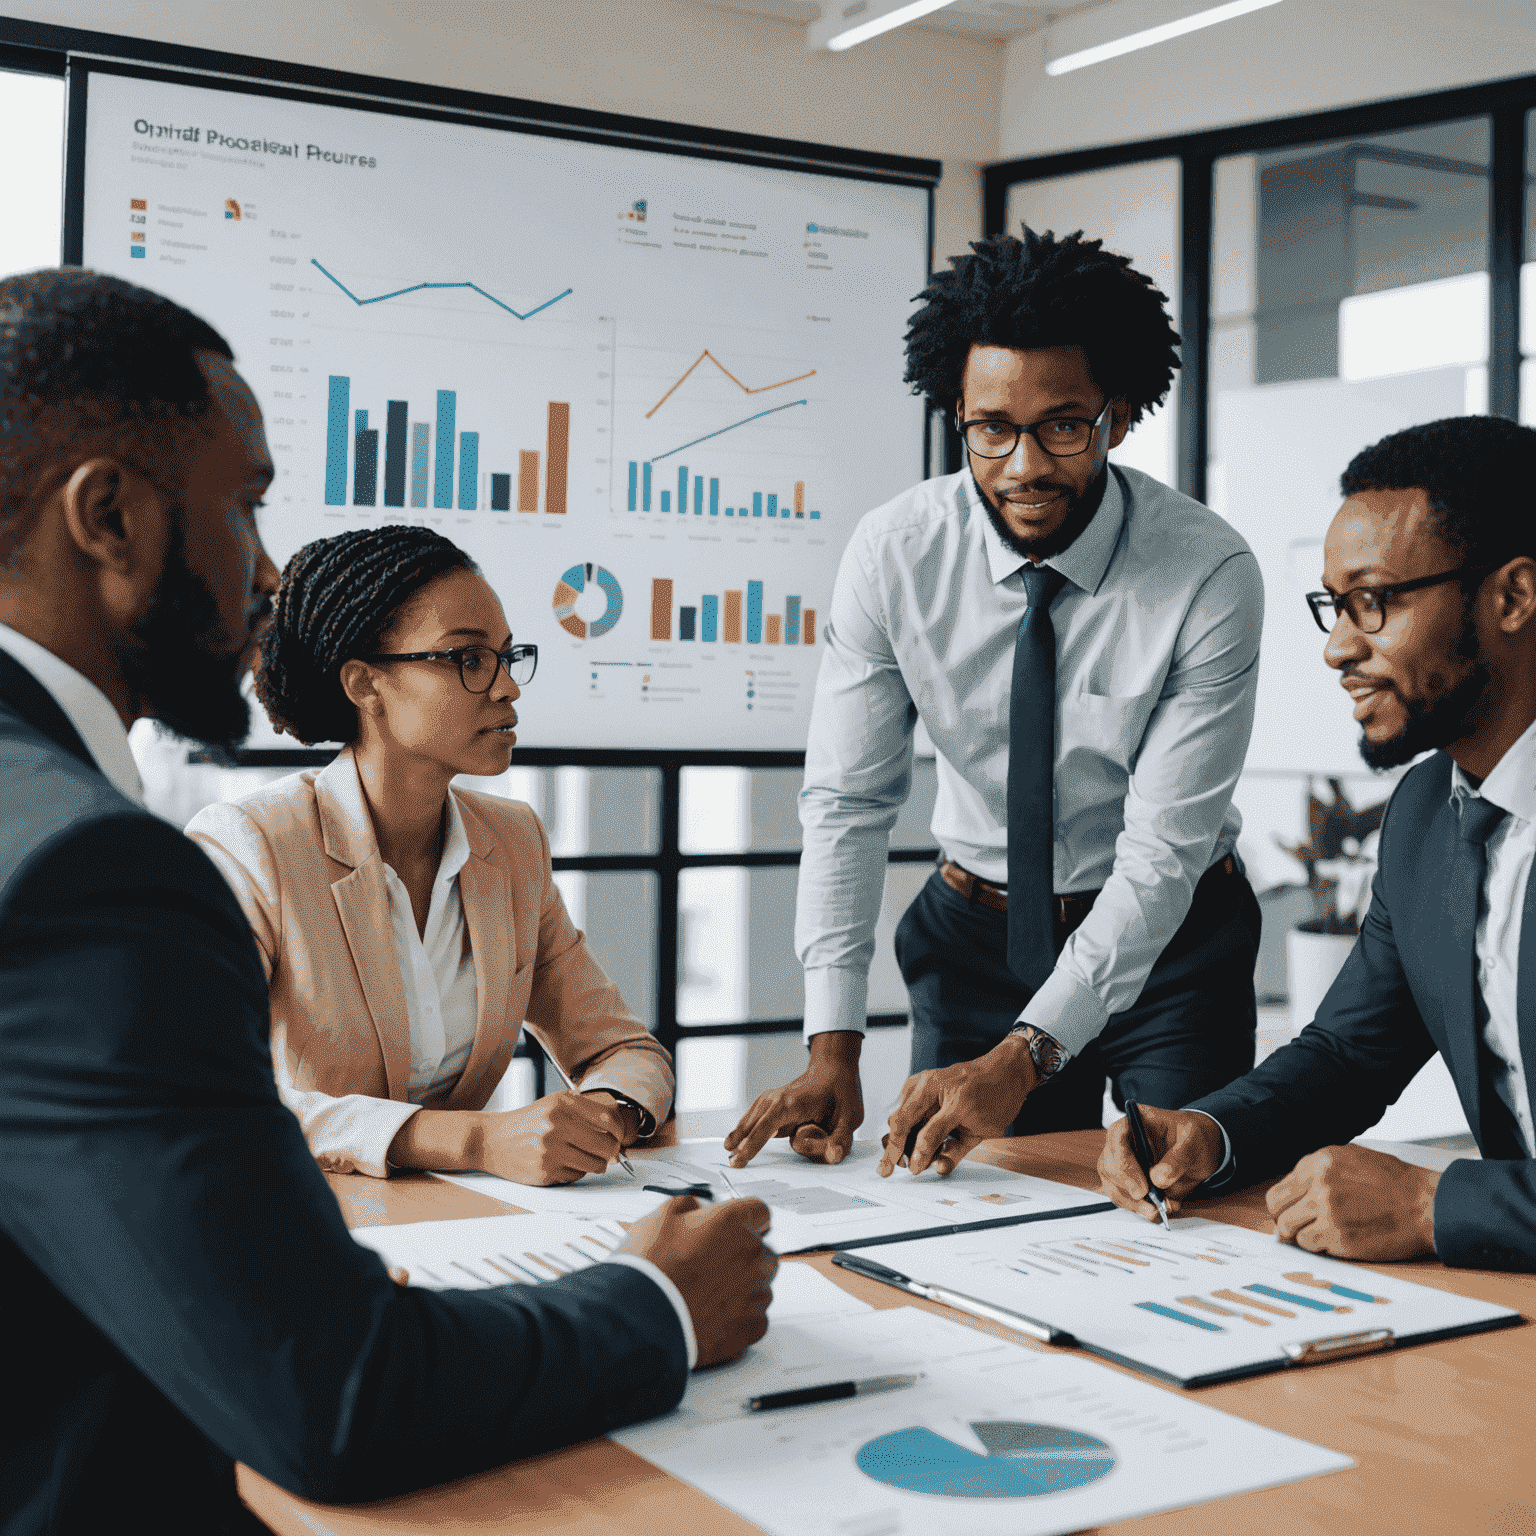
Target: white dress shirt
<point>1157,642</point>
<point>1511,848</point>
<point>90,711</point>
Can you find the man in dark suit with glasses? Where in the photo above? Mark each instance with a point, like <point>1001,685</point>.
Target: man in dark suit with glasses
<point>1429,604</point>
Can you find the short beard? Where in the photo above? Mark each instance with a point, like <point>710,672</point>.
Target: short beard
<point>1434,723</point>
<point>174,674</point>
<point>1080,511</point>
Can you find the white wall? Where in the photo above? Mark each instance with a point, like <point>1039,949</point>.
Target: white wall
<point>911,92</point>
<point>1299,56</point>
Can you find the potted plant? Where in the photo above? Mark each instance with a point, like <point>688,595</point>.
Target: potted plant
<point>1340,860</point>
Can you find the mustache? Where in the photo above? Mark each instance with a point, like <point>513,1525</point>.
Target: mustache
<point>1375,682</point>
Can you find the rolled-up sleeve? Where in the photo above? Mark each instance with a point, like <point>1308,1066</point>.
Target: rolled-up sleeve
<point>1185,769</point>
<point>858,771</point>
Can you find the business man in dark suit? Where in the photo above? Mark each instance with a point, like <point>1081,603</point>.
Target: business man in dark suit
<point>182,1292</point>
<point>1430,609</point>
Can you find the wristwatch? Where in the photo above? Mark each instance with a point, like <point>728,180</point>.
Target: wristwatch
<point>1048,1054</point>
<point>647,1121</point>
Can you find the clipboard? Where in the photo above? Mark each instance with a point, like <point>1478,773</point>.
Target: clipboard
<point>1204,1304</point>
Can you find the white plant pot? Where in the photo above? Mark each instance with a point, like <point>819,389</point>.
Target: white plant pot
<point>1312,962</point>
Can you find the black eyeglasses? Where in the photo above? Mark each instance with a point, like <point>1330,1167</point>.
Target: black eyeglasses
<point>1063,437</point>
<point>1367,606</point>
<point>477,663</point>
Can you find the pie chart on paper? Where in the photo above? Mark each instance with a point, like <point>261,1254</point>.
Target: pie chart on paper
<point>1023,1461</point>
<point>568,592</point>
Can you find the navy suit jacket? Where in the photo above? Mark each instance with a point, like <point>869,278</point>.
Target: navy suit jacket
<point>1405,992</point>
<point>182,1290</point>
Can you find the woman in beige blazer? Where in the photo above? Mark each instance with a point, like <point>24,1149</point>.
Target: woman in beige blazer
<point>410,928</point>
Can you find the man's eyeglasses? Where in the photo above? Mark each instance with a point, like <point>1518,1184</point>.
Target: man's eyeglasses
<point>1063,437</point>
<point>477,663</point>
<point>1367,606</point>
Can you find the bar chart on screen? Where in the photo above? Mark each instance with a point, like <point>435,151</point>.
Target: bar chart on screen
<point>734,616</point>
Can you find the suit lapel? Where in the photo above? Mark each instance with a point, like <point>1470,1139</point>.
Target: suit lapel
<point>362,904</point>
<point>1525,1004</point>
<point>39,708</point>
<point>485,889</point>
<point>1460,899</point>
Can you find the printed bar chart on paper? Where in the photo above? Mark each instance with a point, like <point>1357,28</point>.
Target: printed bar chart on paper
<point>992,1440</point>
<point>1197,1304</point>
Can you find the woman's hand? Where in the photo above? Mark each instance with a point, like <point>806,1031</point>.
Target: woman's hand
<point>554,1140</point>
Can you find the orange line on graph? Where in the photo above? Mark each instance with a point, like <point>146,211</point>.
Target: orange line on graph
<point>1122,1258</point>
<point>745,388</point>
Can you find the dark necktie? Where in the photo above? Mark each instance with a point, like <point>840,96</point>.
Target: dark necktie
<point>1479,819</point>
<point>1031,778</point>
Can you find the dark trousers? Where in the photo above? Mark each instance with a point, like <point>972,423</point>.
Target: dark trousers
<point>1189,1033</point>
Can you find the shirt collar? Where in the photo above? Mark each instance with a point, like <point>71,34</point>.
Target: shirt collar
<point>347,828</point>
<point>1512,784</point>
<point>1083,562</point>
<point>90,711</point>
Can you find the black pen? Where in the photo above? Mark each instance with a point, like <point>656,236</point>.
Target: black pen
<point>1047,1333</point>
<point>831,1392</point>
<point>703,1191</point>
<point>1144,1159</point>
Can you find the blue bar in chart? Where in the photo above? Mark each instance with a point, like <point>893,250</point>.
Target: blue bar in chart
<point>666,501</point>
<point>501,493</point>
<point>773,505</point>
<point>639,496</point>
<point>682,489</point>
<point>685,618</point>
<point>394,453</point>
<point>714,498</point>
<point>421,461</point>
<point>365,473</point>
<point>698,495</point>
<point>645,500</point>
<point>633,476</point>
<point>710,617</point>
<point>791,621</point>
<point>754,613</point>
<point>336,441</point>
<point>442,494</point>
<point>469,471</point>
<point>757,503</point>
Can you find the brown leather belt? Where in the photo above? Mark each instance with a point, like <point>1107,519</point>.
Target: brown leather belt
<point>1068,910</point>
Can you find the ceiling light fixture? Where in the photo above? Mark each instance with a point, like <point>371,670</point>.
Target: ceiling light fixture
<point>1086,56</point>
<point>874,24</point>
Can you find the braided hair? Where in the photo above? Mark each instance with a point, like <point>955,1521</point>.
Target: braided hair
<point>1044,292</point>
<point>337,600</point>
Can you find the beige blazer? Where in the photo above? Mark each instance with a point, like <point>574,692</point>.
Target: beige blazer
<point>302,859</point>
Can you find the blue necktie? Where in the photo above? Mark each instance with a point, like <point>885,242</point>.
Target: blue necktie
<point>1031,780</point>
<point>1464,902</point>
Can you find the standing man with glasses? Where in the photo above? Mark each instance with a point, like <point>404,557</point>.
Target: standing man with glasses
<point>1081,643</point>
<point>1429,571</point>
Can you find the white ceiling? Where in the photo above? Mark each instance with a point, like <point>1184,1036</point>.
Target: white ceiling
<point>969,18</point>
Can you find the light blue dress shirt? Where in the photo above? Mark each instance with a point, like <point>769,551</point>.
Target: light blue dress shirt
<point>1157,644</point>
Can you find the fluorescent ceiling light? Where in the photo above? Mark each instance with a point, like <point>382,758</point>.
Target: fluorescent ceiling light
<point>1087,56</point>
<point>878,24</point>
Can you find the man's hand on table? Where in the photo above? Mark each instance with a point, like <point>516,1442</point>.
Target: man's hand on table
<point>819,1111</point>
<point>1356,1203</point>
<point>717,1258</point>
<point>1186,1151</point>
<point>954,1109</point>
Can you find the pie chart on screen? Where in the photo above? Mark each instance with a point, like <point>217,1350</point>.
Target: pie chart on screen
<point>1023,1461</point>
<point>568,593</point>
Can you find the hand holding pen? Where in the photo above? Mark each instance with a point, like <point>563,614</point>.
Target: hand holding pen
<point>1181,1149</point>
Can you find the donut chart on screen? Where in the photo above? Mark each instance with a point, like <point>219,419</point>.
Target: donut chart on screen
<point>570,587</point>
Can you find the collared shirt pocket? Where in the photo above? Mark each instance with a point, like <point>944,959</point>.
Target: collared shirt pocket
<point>1105,725</point>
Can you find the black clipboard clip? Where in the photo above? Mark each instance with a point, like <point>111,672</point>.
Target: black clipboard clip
<point>1339,1346</point>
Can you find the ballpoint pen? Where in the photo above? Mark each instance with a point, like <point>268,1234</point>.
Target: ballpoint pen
<point>1047,1333</point>
<point>831,1391</point>
<point>1144,1160</point>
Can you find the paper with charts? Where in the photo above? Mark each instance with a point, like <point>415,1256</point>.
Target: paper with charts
<point>482,1252</point>
<point>1202,1303</point>
<point>994,1440</point>
<point>814,1206</point>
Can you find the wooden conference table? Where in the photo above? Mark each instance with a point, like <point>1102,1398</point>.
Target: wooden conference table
<point>1442,1433</point>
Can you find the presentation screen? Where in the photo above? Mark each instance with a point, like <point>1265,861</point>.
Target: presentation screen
<point>650,393</point>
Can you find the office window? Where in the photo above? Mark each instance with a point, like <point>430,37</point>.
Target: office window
<point>1134,209</point>
<point>31,178</point>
